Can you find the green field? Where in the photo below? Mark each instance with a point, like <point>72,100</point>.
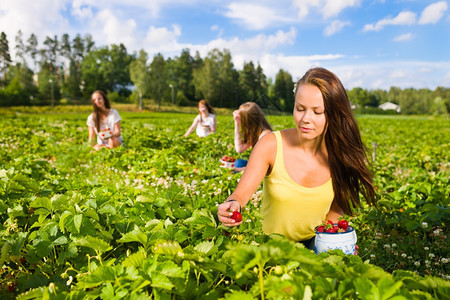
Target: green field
<point>139,222</point>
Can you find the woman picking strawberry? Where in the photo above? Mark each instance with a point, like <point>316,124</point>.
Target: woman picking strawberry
<point>205,122</point>
<point>250,126</point>
<point>104,122</point>
<point>312,172</point>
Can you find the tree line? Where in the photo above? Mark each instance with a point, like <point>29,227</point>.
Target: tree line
<point>70,69</point>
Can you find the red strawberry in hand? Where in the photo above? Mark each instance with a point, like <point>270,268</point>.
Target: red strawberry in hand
<point>343,224</point>
<point>236,216</point>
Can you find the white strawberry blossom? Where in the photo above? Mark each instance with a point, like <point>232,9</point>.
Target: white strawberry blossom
<point>437,232</point>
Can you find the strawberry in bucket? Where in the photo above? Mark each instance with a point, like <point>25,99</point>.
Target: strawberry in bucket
<point>227,161</point>
<point>330,236</point>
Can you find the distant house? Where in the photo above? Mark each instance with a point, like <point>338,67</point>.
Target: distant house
<point>390,106</point>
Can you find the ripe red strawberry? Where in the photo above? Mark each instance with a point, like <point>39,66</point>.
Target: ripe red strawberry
<point>331,230</point>
<point>343,224</point>
<point>237,216</point>
<point>321,228</point>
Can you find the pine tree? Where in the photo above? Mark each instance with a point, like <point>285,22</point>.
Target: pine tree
<point>5,56</point>
<point>32,49</point>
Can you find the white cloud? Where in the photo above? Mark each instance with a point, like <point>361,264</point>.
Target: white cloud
<point>404,37</point>
<point>334,27</point>
<point>162,35</point>
<point>304,6</point>
<point>384,75</point>
<point>397,74</point>
<point>151,8</point>
<point>403,18</point>
<point>243,50</point>
<point>254,46</point>
<point>327,8</point>
<point>81,10</point>
<point>433,13</point>
<point>254,16</point>
<point>333,8</point>
<point>294,65</point>
<point>262,14</point>
<point>38,17</point>
<point>109,29</point>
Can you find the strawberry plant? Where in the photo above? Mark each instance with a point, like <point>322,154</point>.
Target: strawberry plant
<point>141,220</point>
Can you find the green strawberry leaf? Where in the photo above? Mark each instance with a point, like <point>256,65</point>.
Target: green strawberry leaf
<point>93,243</point>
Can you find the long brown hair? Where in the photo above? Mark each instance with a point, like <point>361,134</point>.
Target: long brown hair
<point>253,122</point>
<point>347,154</point>
<point>98,111</point>
<point>208,107</point>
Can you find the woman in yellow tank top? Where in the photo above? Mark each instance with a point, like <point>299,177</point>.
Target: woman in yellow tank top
<point>312,172</point>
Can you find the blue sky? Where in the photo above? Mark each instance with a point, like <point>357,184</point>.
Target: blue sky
<point>374,44</point>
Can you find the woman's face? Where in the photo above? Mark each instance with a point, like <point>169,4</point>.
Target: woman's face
<point>98,100</point>
<point>202,108</point>
<point>309,112</point>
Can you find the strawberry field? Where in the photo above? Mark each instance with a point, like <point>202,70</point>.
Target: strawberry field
<point>139,222</point>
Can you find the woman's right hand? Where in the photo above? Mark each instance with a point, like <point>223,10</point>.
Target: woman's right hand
<point>236,117</point>
<point>225,211</point>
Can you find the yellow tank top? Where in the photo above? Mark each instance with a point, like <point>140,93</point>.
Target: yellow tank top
<point>289,208</point>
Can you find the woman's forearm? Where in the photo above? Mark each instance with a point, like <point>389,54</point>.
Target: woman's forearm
<point>92,139</point>
<point>335,212</point>
<point>116,131</point>
<point>238,144</point>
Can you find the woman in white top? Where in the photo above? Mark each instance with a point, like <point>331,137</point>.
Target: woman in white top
<point>103,122</point>
<point>250,125</point>
<point>205,122</point>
